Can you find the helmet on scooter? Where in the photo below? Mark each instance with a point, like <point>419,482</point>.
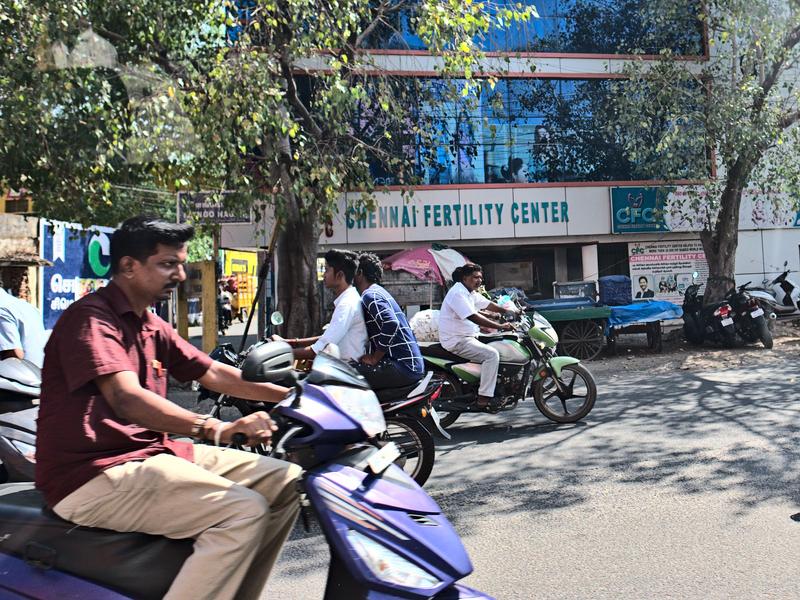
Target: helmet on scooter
<point>268,362</point>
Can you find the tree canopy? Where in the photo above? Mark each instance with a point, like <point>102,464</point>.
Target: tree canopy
<point>735,114</point>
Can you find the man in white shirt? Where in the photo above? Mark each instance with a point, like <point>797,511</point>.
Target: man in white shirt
<point>460,323</point>
<point>346,329</point>
<point>22,333</point>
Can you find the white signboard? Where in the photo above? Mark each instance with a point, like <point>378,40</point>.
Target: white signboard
<point>663,270</point>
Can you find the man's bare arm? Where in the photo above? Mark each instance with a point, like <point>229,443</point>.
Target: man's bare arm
<point>13,353</point>
<point>228,380</point>
<point>129,400</point>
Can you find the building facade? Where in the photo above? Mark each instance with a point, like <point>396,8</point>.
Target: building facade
<point>527,180</point>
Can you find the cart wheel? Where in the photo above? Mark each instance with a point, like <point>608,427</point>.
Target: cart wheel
<point>582,339</point>
<point>654,338</point>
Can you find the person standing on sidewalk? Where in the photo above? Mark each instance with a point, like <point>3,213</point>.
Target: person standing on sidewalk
<point>103,455</point>
<point>460,323</point>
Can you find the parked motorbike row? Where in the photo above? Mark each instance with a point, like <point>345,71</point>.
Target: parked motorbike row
<point>739,316</point>
<point>365,457</point>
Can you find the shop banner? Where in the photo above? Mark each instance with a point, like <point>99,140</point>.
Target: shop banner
<point>662,270</point>
<point>81,263</point>
<point>638,210</point>
<point>654,209</point>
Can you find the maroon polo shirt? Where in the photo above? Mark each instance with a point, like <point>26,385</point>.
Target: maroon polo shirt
<point>78,433</point>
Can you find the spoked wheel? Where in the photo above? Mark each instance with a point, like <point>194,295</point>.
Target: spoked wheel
<point>582,339</point>
<point>572,401</point>
<point>452,388</point>
<point>416,447</point>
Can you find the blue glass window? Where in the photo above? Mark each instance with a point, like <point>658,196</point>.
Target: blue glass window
<point>572,26</point>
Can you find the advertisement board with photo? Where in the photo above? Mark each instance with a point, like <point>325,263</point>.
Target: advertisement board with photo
<point>663,270</point>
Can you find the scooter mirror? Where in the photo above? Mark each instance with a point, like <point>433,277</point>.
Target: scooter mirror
<point>276,318</point>
<point>695,275</point>
<point>785,264</point>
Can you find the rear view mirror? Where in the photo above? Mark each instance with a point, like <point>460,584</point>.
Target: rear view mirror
<point>276,318</point>
<point>695,275</point>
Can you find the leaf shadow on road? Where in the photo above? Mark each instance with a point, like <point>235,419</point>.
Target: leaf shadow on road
<point>700,433</point>
<point>693,434</point>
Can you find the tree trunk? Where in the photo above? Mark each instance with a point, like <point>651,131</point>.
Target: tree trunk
<point>721,243</point>
<point>298,297</point>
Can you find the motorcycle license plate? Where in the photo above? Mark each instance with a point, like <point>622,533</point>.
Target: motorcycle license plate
<point>726,322</point>
<point>757,312</point>
<point>381,460</point>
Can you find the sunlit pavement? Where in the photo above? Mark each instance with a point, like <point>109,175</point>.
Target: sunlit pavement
<point>675,486</point>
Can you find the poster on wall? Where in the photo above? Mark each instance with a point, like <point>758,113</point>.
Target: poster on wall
<point>81,263</point>
<point>662,270</point>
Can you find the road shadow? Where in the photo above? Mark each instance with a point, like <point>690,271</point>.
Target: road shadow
<point>702,432</point>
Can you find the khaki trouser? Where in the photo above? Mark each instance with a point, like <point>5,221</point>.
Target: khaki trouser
<point>239,507</point>
<point>488,357</point>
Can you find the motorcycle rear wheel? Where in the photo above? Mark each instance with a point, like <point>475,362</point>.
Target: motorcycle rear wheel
<point>576,406</point>
<point>417,450</point>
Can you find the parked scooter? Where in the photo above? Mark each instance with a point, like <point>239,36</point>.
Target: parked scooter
<point>20,381</point>
<point>779,298</point>
<point>749,318</point>
<point>387,537</point>
<point>713,322</point>
<point>563,389</point>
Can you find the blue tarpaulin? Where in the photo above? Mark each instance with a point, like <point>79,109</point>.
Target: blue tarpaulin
<point>643,312</point>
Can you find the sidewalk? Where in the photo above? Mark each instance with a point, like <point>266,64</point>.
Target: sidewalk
<point>233,335</point>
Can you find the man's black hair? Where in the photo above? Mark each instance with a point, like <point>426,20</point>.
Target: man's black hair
<point>140,236</point>
<point>468,269</point>
<point>457,275</point>
<point>343,261</point>
<point>370,266</point>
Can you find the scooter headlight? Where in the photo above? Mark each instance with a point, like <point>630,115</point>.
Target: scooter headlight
<point>389,566</point>
<point>362,405</point>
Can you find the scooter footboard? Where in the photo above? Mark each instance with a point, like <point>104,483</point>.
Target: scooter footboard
<point>388,538</point>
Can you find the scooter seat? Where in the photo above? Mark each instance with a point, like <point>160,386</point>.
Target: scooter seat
<point>437,351</point>
<point>135,564</point>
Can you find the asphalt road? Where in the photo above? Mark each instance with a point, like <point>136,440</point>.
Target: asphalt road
<point>677,485</point>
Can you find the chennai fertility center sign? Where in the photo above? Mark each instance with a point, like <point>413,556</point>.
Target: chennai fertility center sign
<point>448,215</point>
<point>663,270</point>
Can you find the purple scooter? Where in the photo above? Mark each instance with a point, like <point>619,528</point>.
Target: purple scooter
<point>388,539</point>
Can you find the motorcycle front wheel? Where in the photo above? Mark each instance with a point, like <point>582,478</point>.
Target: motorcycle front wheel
<point>571,403</point>
<point>415,442</point>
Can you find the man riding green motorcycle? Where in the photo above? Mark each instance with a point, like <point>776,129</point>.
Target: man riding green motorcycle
<point>563,390</point>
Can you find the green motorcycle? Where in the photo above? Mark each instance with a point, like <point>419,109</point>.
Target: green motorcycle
<point>563,389</point>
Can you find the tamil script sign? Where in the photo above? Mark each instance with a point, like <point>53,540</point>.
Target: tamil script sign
<point>210,207</point>
<point>81,263</point>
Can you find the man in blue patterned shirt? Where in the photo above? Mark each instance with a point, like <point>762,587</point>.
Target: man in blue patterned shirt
<point>394,359</point>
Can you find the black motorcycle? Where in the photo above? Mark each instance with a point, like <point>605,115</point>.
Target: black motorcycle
<point>713,322</point>
<point>411,419</point>
<point>748,317</point>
